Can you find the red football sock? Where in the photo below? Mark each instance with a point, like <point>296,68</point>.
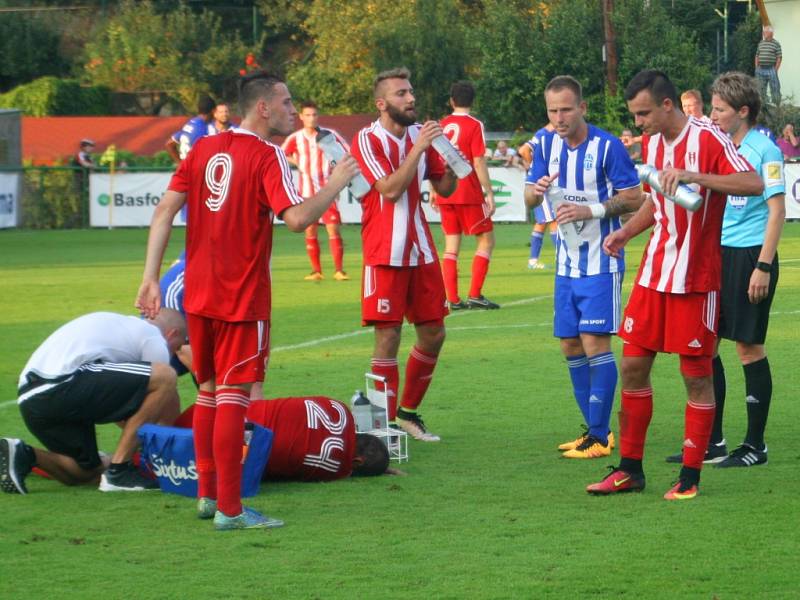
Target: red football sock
<point>480,266</point>
<point>387,368</point>
<point>419,372</point>
<point>228,438</point>
<point>634,418</point>
<point>186,418</point>
<point>203,415</point>
<point>698,422</point>
<point>337,252</point>
<point>312,247</point>
<point>450,275</point>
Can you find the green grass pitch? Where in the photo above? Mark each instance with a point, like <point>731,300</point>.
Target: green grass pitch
<point>490,512</point>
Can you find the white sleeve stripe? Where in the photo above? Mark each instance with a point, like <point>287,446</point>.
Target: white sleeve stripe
<point>286,177</point>
<point>369,157</point>
<point>730,149</point>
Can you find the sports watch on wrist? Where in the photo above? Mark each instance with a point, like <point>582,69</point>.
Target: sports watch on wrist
<point>764,266</point>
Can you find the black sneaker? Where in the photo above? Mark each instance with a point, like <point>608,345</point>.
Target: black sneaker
<point>715,453</point>
<point>460,305</point>
<point>481,302</point>
<point>128,479</point>
<point>744,456</point>
<point>15,465</point>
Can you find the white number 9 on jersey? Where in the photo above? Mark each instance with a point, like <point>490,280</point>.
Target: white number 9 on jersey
<point>218,176</point>
<point>455,130</point>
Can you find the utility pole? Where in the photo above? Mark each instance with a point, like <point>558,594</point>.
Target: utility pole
<point>610,47</point>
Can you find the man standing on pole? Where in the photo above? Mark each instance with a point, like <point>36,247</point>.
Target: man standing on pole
<point>401,275</point>
<point>235,183</point>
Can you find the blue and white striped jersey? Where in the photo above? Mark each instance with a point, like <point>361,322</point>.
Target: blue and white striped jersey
<point>172,285</point>
<point>593,172</point>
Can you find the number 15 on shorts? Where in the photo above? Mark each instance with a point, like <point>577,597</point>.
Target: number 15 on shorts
<point>384,307</point>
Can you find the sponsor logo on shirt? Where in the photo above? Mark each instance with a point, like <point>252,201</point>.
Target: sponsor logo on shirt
<point>737,202</point>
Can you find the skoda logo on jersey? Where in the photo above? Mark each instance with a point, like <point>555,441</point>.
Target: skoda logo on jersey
<point>588,162</point>
<point>737,202</point>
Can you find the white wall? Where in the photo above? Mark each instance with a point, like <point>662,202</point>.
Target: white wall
<point>785,18</point>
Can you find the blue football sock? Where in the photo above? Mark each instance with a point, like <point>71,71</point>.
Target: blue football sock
<point>579,373</point>
<point>554,239</point>
<point>603,377</point>
<point>537,238</point>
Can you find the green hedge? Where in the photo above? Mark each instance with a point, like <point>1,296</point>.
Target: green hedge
<point>51,96</point>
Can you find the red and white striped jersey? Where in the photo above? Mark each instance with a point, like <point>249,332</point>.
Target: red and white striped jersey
<point>683,254</point>
<point>394,233</point>
<point>465,132</point>
<point>235,183</point>
<point>313,169</point>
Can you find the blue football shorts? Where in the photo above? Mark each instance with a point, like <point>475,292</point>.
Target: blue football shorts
<point>589,304</point>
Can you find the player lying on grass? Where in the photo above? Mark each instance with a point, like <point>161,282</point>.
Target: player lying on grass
<point>314,439</point>
<point>98,368</point>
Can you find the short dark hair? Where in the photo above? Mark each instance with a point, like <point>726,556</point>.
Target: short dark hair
<point>308,104</point>
<point>739,89</point>
<point>374,455</point>
<point>396,73</point>
<point>462,93</point>
<point>561,82</point>
<point>206,105</point>
<point>654,81</point>
<point>253,87</point>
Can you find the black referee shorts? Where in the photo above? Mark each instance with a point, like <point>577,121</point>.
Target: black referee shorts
<point>739,320</point>
<point>62,413</point>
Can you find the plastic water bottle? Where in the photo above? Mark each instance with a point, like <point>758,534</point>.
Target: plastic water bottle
<point>568,231</point>
<point>362,412</point>
<point>248,436</point>
<point>451,156</point>
<point>334,152</point>
<point>685,196</point>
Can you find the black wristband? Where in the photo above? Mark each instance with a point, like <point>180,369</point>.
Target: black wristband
<point>764,266</point>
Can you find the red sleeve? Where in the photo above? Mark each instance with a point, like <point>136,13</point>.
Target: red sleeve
<point>368,151</point>
<point>722,156</point>
<point>290,145</point>
<point>435,164</point>
<point>180,179</point>
<point>478,143</point>
<point>276,178</point>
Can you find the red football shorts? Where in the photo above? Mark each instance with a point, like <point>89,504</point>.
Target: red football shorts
<point>331,216</point>
<point>390,293</point>
<point>231,353</point>
<point>683,324</point>
<point>469,219</point>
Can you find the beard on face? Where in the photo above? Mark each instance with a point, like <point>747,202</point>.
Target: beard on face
<point>401,117</point>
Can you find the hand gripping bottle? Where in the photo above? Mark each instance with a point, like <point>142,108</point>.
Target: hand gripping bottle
<point>334,152</point>
<point>685,196</point>
<point>451,156</point>
<point>567,231</point>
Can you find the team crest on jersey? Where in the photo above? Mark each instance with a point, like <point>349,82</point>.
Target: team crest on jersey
<point>691,158</point>
<point>588,162</point>
<point>628,324</point>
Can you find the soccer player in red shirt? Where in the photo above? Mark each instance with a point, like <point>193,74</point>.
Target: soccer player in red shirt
<point>466,211</point>
<point>674,304</point>
<point>401,275</point>
<point>302,151</point>
<point>234,184</point>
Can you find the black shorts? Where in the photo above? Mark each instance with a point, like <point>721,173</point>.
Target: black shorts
<point>62,413</point>
<point>740,320</point>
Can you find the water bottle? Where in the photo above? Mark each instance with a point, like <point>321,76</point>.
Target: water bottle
<point>567,231</point>
<point>451,156</point>
<point>685,196</point>
<point>362,412</point>
<point>248,435</point>
<point>334,152</point>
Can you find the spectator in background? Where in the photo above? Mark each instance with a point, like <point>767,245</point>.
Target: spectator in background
<point>692,105</point>
<point>506,154</point>
<point>768,61</point>
<point>222,119</point>
<point>789,143</point>
<point>632,144</point>
<point>84,158</point>
<point>179,144</point>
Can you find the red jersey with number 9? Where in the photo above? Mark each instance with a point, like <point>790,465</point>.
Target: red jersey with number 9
<point>314,437</point>
<point>465,132</point>
<point>235,184</point>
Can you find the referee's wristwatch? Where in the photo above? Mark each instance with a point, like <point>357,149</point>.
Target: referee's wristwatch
<point>764,266</point>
